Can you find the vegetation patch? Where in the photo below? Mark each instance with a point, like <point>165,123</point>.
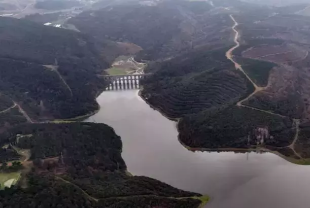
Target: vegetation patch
<point>161,30</point>
<point>204,200</point>
<point>11,118</point>
<point>8,179</point>
<point>291,105</point>
<point>76,56</point>
<point>201,81</point>
<point>5,103</point>
<point>303,143</point>
<point>82,162</point>
<point>116,71</point>
<point>233,127</point>
<point>258,71</point>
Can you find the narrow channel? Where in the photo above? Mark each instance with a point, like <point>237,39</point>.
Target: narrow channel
<point>233,180</point>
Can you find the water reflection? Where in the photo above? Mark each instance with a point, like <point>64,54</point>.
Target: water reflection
<point>233,180</point>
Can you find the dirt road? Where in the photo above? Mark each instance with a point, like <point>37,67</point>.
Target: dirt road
<point>229,55</point>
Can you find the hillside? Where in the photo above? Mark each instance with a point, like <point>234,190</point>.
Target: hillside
<point>50,72</point>
<point>44,18</point>
<point>220,106</point>
<point>164,29</point>
<point>56,4</point>
<point>282,41</point>
<point>80,165</point>
<point>193,82</point>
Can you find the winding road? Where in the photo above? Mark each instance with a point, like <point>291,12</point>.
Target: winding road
<point>229,55</point>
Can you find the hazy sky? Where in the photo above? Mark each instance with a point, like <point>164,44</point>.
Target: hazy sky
<point>278,2</point>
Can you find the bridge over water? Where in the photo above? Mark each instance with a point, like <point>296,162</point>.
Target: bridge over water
<point>124,82</point>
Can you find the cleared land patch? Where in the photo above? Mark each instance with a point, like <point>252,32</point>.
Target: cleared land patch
<point>8,179</point>
<point>276,53</point>
<point>116,71</point>
<point>125,65</point>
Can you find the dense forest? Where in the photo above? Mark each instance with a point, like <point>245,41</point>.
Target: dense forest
<point>202,80</point>
<point>80,165</point>
<point>163,30</point>
<point>217,106</point>
<point>8,154</point>
<point>202,90</point>
<point>48,191</point>
<point>257,70</point>
<point>148,27</point>
<point>207,129</point>
<point>11,118</point>
<point>61,64</point>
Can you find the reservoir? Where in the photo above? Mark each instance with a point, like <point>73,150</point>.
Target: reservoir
<point>232,180</point>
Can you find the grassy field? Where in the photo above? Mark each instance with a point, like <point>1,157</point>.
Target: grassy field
<point>116,71</point>
<point>204,200</point>
<point>8,179</point>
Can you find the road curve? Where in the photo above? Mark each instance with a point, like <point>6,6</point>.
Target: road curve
<point>229,55</point>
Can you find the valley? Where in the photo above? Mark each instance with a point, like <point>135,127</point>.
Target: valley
<point>232,77</point>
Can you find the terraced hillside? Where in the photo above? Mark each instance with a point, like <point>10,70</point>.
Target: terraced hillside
<point>196,90</point>
<point>50,72</point>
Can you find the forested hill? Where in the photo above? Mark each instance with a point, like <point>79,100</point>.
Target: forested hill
<point>221,106</point>
<point>80,165</point>
<point>50,72</point>
<point>164,29</point>
<point>202,89</point>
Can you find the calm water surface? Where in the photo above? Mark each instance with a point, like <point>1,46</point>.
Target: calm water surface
<point>151,148</point>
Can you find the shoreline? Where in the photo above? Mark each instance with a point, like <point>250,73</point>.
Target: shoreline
<point>204,198</point>
<point>81,117</point>
<point>76,119</point>
<point>157,109</point>
<point>229,56</point>
<point>201,149</point>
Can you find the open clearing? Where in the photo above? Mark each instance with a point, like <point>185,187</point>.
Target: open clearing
<point>8,179</point>
<point>116,71</point>
<point>277,54</point>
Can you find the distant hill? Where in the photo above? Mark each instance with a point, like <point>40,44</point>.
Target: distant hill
<point>44,18</point>
<point>277,2</point>
<point>50,72</point>
<point>6,6</point>
<point>163,30</point>
<point>56,4</point>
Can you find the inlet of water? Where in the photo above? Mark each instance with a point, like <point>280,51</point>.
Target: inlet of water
<point>151,148</point>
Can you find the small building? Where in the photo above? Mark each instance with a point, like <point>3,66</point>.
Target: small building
<point>261,135</point>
